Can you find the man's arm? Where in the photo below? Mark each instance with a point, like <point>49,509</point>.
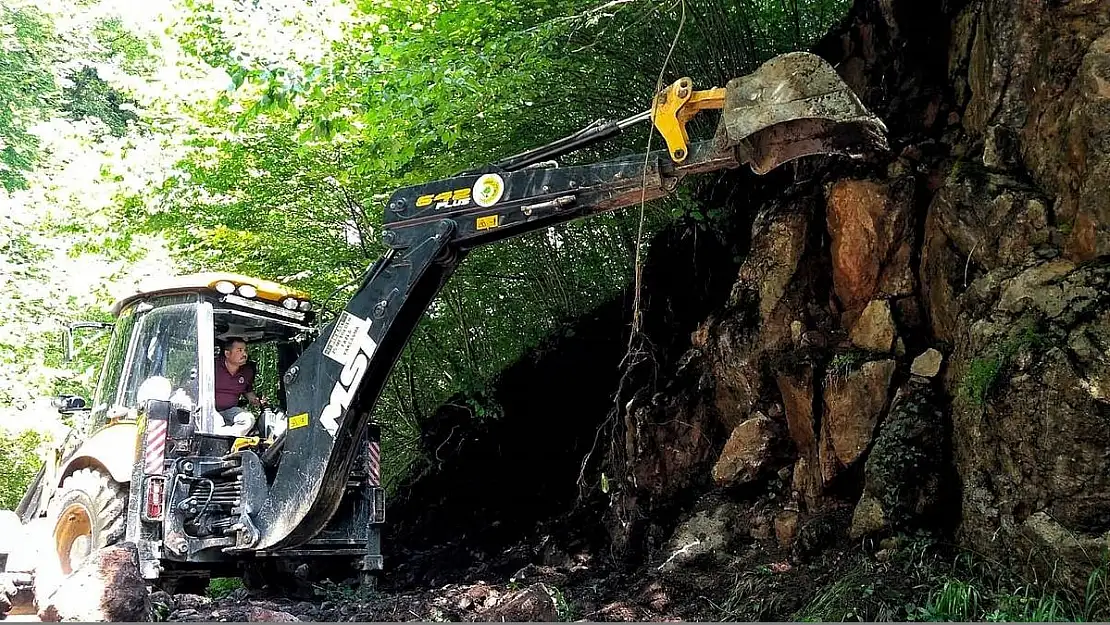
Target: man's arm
<point>255,401</point>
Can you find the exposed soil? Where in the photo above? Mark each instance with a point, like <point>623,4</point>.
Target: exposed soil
<point>750,580</point>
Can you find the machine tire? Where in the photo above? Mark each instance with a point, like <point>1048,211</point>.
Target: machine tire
<point>88,513</point>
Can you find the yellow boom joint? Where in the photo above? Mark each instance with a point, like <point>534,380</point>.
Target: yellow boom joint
<point>678,104</point>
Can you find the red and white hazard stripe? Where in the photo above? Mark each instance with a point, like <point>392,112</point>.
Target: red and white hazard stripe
<point>155,456</point>
<point>373,464</point>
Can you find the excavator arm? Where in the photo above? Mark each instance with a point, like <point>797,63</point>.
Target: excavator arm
<point>793,106</point>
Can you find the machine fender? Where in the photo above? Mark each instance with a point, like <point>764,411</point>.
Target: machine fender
<point>112,448</point>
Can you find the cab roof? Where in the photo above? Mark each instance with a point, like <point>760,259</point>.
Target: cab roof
<point>206,283</point>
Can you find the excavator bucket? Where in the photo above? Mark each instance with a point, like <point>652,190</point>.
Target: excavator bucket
<point>796,105</point>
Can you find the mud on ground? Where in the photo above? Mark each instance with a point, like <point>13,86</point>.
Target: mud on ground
<point>715,572</point>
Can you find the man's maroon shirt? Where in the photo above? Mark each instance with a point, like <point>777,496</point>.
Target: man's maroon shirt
<point>230,387</point>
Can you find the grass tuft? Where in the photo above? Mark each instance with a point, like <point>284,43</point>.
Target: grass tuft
<point>920,581</point>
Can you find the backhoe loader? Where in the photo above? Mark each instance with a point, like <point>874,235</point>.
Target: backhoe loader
<point>302,482</point>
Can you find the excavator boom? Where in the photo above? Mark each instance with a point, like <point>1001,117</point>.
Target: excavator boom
<point>793,106</point>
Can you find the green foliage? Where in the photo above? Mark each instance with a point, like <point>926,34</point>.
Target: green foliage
<point>58,252</point>
<point>983,372</point>
<point>201,36</point>
<point>124,48</point>
<point>980,378</point>
<point>851,597</point>
<point>26,89</point>
<point>565,611</point>
<point>33,355</point>
<point>955,600</point>
<point>1031,607</point>
<point>20,459</point>
<point>843,363</point>
<point>220,587</point>
<point>89,96</point>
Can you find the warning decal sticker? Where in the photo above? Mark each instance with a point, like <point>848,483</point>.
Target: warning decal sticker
<point>342,344</point>
<point>487,222</point>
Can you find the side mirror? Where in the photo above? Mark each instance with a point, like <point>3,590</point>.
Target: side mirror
<point>69,403</point>
<point>67,335</point>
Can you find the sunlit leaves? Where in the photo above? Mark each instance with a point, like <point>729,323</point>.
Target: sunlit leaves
<point>130,52</point>
<point>62,257</point>
<point>26,89</point>
<point>19,455</point>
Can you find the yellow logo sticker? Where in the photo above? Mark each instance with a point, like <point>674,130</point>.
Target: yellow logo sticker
<point>487,222</point>
<point>298,421</point>
<point>447,199</point>
<point>488,190</point>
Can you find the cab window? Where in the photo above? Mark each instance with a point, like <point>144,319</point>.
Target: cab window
<point>107,388</point>
<point>164,356</point>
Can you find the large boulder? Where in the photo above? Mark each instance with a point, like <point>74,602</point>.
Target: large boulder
<point>853,407</point>
<point>753,451</point>
<point>532,604</point>
<point>769,275</point>
<point>709,534</point>
<point>108,587</point>
<point>871,240</point>
<point>262,614</point>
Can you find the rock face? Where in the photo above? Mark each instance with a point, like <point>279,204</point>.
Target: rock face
<point>926,332</point>
<point>1039,78</point>
<point>1031,401</point>
<point>968,270</point>
<point>1012,264</point>
<point>107,588</point>
<point>707,534</point>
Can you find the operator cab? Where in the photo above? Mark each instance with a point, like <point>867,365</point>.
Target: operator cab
<point>168,339</point>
